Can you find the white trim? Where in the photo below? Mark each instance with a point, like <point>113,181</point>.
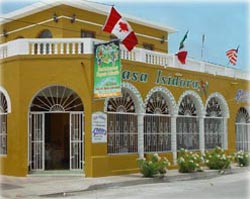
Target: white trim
<point>5,93</point>
<point>84,5</point>
<point>79,20</point>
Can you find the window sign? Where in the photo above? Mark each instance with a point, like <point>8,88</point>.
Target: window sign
<point>99,127</point>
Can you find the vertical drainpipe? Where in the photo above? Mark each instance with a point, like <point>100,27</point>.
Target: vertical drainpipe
<point>173,138</point>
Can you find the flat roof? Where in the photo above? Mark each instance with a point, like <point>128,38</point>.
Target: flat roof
<point>84,5</point>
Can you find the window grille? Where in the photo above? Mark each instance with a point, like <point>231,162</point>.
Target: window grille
<point>57,99</point>
<point>3,124</point>
<point>187,128</point>
<point>122,125</point>
<point>214,124</point>
<point>242,126</point>
<point>157,124</point>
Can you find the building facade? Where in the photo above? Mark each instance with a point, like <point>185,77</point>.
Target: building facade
<point>47,105</point>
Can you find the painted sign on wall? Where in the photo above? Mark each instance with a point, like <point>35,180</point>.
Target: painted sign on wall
<point>99,127</point>
<point>107,70</point>
<point>242,96</point>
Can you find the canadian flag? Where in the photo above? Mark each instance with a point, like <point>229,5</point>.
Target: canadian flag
<point>118,26</point>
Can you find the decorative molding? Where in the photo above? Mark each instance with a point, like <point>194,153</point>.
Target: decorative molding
<point>222,101</point>
<point>136,96</point>
<point>197,101</point>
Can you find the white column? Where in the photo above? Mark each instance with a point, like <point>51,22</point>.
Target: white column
<point>225,140</point>
<point>140,136</point>
<point>173,139</point>
<point>201,134</point>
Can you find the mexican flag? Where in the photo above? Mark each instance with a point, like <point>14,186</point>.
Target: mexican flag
<point>182,54</point>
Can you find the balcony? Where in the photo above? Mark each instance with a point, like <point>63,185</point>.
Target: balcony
<point>77,46</point>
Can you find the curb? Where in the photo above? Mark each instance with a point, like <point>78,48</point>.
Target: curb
<point>207,174</point>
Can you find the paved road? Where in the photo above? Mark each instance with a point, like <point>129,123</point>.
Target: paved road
<point>233,186</point>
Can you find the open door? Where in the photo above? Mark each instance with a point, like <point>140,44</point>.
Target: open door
<point>36,147</point>
<point>76,141</point>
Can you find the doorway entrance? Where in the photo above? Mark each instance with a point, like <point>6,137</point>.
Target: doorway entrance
<point>56,131</point>
<point>57,141</point>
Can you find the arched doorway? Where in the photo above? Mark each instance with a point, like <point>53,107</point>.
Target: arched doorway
<point>242,125</point>
<point>56,130</point>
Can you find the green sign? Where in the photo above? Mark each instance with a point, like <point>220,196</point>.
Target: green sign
<point>107,70</point>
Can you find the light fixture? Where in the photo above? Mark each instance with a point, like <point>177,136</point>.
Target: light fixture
<point>55,18</point>
<point>73,18</point>
<point>5,34</point>
<point>162,39</point>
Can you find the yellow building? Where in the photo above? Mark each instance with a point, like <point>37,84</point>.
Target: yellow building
<point>47,107</point>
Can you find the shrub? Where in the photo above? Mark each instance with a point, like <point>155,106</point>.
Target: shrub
<point>189,162</point>
<point>242,158</point>
<point>217,159</point>
<point>155,165</point>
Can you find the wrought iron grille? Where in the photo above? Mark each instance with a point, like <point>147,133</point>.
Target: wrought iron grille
<point>242,126</point>
<point>57,99</point>
<point>213,108</point>
<point>213,132</point>
<point>157,124</point>
<point>214,135</point>
<point>3,124</point>
<point>3,104</point>
<point>187,133</point>
<point>157,136</point>
<point>3,134</point>
<point>187,107</point>
<point>122,133</point>
<point>187,125</point>
<point>122,124</point>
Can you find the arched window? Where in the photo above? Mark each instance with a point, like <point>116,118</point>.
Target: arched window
<point>187,124</point>
<point>45,34</point>
<point>44,48</point>
<point>3,124</point>
<point>214,122</point>
<point>157,124</point>
<point>122,124</point>
<point>243,129</point>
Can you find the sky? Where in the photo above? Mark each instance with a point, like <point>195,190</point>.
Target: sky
<point>225,23</point>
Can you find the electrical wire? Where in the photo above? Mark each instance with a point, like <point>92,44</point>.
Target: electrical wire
<point>97,33</point>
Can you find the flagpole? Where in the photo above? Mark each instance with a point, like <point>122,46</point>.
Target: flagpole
<point>202,45</point>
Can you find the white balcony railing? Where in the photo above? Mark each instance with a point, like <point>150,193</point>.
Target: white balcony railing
<point>74,46</point>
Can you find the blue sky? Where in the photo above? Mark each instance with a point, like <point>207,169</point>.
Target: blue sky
<point>224,23</point>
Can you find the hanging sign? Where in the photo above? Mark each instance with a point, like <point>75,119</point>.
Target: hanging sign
<point>107,70</point>
<point>99,127</point>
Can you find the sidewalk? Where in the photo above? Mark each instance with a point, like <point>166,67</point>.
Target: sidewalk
<point>60,186</point>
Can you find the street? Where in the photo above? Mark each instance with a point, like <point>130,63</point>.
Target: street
<point>235,186</point>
